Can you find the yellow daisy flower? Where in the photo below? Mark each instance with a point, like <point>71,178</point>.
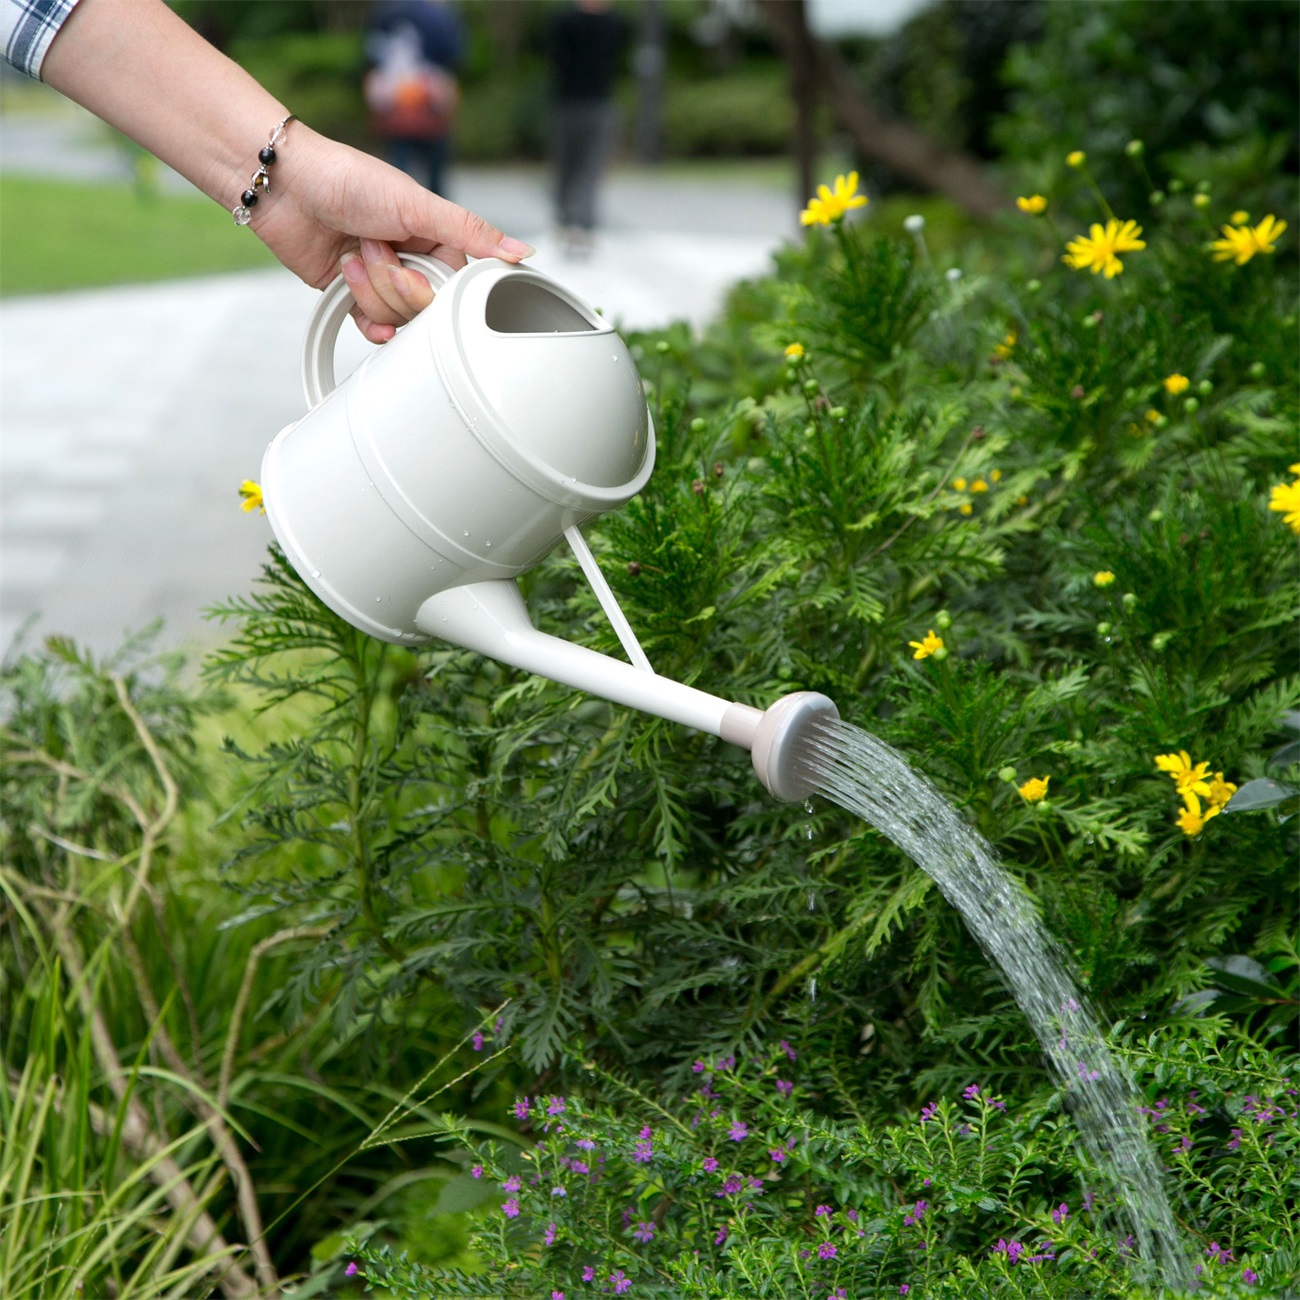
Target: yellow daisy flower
<point>830,205</point>
<point>1033,205</point>
<point>1175,384</point>
<point>979,486</point>
<point>1035,789</point>
<point>926,647</point>
<point>1099,250</point>
<point>959,484</point>
<point>252,494</point>
<point>1103,578</point>
<point>1285,499</point>
<point>1221,791</point>
<point>1189,777</point>
<point>794,351</point>
<point>1076,158</point>
<point>1240,243</point>
<point>1191,821</point>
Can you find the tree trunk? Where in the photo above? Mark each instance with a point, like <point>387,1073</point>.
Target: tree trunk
<point>899,145</point>
<point>803,90</point>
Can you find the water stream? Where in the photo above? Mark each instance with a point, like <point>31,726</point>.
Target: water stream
<point>864,775</point>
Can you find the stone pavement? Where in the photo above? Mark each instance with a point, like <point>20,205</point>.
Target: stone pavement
<point>129,416</point>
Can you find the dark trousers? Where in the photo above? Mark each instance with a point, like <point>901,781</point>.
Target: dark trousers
<point>585,133</point>
<point>423,160</point>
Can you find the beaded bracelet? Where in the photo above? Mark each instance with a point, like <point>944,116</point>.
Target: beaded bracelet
<point>243,211</point>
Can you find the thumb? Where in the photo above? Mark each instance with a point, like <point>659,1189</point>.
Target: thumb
<point>449,224</point>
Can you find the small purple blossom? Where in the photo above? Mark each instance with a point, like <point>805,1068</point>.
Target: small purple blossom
<point>778,1154</point>
<point>511,1184</point>
<point>557,1295</point>
<point>698,1067</point>
<point>929,1112</point>
<point>477,1040</point>
<point>1088,1075</point>
<point>784,1087</point>
<point>643,1232</point>
<point>556,1106</point>
<point>1250,1277</point>
<point>351,1270</point>
<point>917,1214</point>
<point>476,1172</point>
<point>589,1274</point>
<point>522,1108</point>
<point>971,1091</point>
<point>733,1185</point>
<point>619,1281</point>
<point>585,1144</point>
<point>827,1250</point>
<point>1236,1140</point>
<point>549,1235</point>
<point>721,1236</point>
<point>558,1191</point>
<point>1060,1214</point>
<point>1185,1144</point>
<point>643,1152</point>
<point>904,1289</point>
<point>1011,1249</point>
<point>727,1063</point>
<point>1088,1201</point>
<point>738,1131</point>
<point>822,1211</point>
<point>1220,1254</point>
<point>511,1208</point>
<point>709,1164</point>
<point>788,1050</point>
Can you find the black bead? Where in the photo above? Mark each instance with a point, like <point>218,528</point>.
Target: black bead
<point>249,198</point>
<point>267,156</point>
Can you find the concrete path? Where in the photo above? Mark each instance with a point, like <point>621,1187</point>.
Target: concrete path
<point>128,417</point>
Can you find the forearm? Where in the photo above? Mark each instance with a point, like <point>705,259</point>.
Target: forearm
<point>143,70</point>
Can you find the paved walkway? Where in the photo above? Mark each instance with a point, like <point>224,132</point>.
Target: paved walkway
<point>128,417</point>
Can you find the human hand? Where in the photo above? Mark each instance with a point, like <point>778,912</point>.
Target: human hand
<point>334,209</point>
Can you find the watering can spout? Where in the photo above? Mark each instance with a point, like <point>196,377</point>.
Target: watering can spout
<point>492,619</point>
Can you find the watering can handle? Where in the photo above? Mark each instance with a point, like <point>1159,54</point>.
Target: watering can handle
<point>330,312</point>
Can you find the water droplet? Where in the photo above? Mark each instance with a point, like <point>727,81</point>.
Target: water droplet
<point>315,573</point>
<point>812,989</point>
<point>487,543</point>
<point>378,599</point>
<point>467,532</point>
<point>807,832</point>
<point>807,806</point>
<point>812,900</point>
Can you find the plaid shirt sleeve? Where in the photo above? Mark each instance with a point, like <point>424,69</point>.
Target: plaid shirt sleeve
<point>26,29</point>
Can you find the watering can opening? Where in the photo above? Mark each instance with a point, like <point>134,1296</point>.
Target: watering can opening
<point>521,305</point>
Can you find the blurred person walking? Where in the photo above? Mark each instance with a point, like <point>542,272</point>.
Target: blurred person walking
<point>586,46</point>
<point>413,48</point>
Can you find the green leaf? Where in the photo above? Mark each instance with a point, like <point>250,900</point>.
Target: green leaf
<point>1258,794</point>
<point>1244,975</point>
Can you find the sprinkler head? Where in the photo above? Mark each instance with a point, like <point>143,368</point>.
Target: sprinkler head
<point>782,744</point>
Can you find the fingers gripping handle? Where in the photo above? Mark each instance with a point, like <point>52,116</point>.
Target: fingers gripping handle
<point>327,318</point>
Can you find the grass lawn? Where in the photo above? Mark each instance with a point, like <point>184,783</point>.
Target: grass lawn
<point>73,235</point>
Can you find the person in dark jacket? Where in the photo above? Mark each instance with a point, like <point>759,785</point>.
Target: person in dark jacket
<point>413,48</point>
<point>587,44</point>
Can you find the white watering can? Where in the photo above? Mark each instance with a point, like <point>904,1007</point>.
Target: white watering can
<point>504,416</point>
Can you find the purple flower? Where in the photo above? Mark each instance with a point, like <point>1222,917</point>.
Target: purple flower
<point>918,1213</point>
<point>1087,1074</point>
<point>709,1164</point>
<point>822,1210</point>
<point>1250,1277</point>
<point>788,1050</point>
<point>549,1235</point>
<point>929,1112</point>
<point>838,1294</point>
<point>585,1144</point>
<point>1236,1140</point>
<point>722,1235</point>
<point>1011,1249</point>
<point>476,1172</point>
<point>557,1295</point>
<point>351,1270</point>
<point>643,1232</point>
<point>904,1289</point>
<point>756,1186</point>
<point>522,1108</point>
<point>643,1152</point>
<point>556,1106</point>
<point>971,1092</point>
<point>558,1191</point>
<point>579,1166</point>
<point>777,1154</point>
<point>1220,1254</point>
<point>727,1063</point>
<point>698,1067</point>
<point>589,1274</point>
<point>784,1087</point>
<point>827,1250</point>
<point>511,1208</point>
<point>733,1184</point>
<point>1185,1144</point>
<point>619,1281</point>
<point>1060,1214</point>
<point>511,1184</point>
<point>1088,1200</point>
<point>738,1131</point>
<point>477,1040</point>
